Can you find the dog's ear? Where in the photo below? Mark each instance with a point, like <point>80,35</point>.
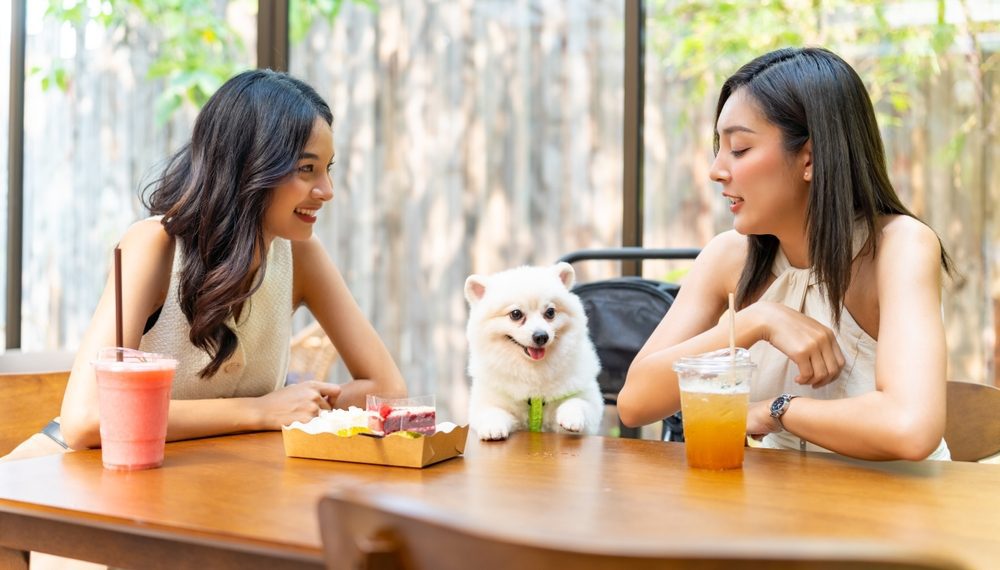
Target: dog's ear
<point>566,273</point>
<point>475,288</point>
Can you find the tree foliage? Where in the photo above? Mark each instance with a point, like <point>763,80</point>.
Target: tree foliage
<point>701,42</point>
<point>194,48</point>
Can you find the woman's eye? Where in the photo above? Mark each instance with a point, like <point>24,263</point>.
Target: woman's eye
<point>329,167</point>
<point>516,315</point>
<point>306,168</point>
<point>550,313</point>
<point>739,153</point>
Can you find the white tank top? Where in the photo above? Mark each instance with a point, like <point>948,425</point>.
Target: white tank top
<point>260,362</point>
<point>798,289</point>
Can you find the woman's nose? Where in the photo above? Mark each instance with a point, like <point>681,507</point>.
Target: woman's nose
<point>718,172</point>
<point>324,190</point>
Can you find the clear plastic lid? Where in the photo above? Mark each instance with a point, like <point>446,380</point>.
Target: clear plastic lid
<point>715,362</point>
<point>131,359</point>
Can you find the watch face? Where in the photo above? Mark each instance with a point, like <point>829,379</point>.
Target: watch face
<point>776,406</point>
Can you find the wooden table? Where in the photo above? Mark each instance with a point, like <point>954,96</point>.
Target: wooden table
<point>238,502</point>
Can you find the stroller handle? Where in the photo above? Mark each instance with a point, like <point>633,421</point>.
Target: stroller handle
<point>622,253</point>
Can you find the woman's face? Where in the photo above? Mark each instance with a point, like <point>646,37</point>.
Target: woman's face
<point>768,190</point>
<point>296,202</point>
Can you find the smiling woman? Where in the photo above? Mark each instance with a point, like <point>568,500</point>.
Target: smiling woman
<point>213,277</point>
<point>839,284</point>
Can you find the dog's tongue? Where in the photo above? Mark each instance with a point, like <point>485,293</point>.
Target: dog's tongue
<point>536,353</point>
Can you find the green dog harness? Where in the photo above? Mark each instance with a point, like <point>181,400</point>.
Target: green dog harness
<point>536,406</point>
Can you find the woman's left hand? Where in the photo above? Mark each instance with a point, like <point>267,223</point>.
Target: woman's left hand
<point>759,420</point>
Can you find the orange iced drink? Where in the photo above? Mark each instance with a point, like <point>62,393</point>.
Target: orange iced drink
<point>715,393</point>
<point>133,399</point>
<point>715,427</point>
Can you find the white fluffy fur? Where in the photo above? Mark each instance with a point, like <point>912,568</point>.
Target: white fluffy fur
<point>503,374</point>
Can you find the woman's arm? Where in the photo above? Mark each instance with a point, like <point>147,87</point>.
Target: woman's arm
<point>147,258</point>
<point>319,285</point>
<point>904,418</point>
<point>690,327</point>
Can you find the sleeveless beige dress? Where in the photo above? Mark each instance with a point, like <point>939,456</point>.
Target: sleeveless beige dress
<point>798,289</point>
<point>260,362</point>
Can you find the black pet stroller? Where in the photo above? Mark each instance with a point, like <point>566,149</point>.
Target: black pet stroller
<point>622,313</point>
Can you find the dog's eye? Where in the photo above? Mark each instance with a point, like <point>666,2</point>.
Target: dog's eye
<point>550,313</point>
<point>516,315</point>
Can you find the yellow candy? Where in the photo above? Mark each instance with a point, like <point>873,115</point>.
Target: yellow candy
<point>407,434</point>
<point>348,432</point>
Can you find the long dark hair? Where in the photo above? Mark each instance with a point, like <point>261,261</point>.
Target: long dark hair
<point>213,194</point>
<point>813,94</point>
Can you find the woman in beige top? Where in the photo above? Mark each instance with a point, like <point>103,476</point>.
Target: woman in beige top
<point>838,285</point>
<point>213,278</point>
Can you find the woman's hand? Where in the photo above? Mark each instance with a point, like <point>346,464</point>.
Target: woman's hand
<point>808,343</point>
<point>759,420</point>
<point>299,402</point>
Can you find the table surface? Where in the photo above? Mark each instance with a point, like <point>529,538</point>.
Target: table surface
<point>237,501</point>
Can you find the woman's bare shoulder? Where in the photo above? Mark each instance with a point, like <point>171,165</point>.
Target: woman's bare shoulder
<point>898,234</point>
<point>721,261</point>
<point>149,235</point>
<point>727,251</point>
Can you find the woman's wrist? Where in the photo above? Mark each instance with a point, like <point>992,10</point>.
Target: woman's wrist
<point>750,325</point>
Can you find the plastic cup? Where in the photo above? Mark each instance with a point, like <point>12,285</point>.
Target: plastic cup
<point>133,396</point>
<point>715,392</point>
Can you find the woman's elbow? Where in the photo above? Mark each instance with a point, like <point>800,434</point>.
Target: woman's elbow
<point>914,439</point>
<point>629,411</point>
<point>81,432</point>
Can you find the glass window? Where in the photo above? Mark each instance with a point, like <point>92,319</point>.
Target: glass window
<point>471,137</point>
<point>110,94</point>
<point>927,66</point>
<point>5,14</point>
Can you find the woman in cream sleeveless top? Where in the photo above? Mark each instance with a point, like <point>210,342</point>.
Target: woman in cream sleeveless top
<point>260,362</point>
<point>821,251</point>
<point>798,289</point>
<point>227,255</point>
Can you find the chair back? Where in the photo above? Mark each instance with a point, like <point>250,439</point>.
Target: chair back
<point>312,355</point>
<point>972,430</point>
<point>27,403</point>
<point>366,530</point>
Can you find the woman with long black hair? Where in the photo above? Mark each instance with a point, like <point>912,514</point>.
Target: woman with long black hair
<point>213,277</point>
<point>837,284</point>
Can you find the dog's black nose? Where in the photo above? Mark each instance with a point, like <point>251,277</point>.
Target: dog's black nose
<point>540,338</point>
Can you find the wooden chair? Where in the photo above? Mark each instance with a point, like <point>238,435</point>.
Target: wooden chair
<point>27,403</point>
<point>972,430</point>
<point>363,530</point>
<point>312,355</point>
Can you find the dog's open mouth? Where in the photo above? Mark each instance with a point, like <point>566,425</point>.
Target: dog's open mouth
<point>534,353</point>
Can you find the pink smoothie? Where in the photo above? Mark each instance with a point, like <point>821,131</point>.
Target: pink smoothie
<point>133,397</point>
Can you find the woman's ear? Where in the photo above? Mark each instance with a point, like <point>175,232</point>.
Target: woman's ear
<point>806,158</point>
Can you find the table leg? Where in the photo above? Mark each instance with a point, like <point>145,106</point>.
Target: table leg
<point>13,559</point>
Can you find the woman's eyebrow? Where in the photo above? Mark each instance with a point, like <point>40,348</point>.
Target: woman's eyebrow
<point>738,128</point>
<point>308,155</point>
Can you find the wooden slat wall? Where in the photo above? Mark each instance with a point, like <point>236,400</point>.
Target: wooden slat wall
<point>470,137</point>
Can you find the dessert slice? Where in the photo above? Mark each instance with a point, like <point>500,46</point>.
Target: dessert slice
<point>388,419</point>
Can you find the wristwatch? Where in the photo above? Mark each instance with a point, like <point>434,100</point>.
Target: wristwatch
<point>779,406</point>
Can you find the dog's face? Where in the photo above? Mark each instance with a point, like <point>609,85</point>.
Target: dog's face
<point>523,313</point>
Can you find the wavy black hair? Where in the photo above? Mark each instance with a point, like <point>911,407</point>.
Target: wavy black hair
<point>214,192</point>
<point>813,94</point>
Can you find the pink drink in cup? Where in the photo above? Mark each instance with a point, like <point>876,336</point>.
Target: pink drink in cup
<point>133,399</point>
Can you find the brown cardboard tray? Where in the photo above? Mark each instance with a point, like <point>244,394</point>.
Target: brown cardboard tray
<point>390,450</point>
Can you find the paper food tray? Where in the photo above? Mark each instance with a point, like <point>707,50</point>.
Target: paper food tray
<point>390,450</point>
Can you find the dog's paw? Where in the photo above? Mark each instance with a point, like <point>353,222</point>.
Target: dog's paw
<point>572,416</point>
<point>492,424</point>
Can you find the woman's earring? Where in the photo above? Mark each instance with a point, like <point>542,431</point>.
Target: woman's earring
<point>808,176</point>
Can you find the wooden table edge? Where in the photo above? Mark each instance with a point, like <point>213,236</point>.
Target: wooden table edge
<point>117,542</point>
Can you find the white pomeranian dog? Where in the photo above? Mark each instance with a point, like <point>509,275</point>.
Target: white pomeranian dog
<point>530,357</point>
